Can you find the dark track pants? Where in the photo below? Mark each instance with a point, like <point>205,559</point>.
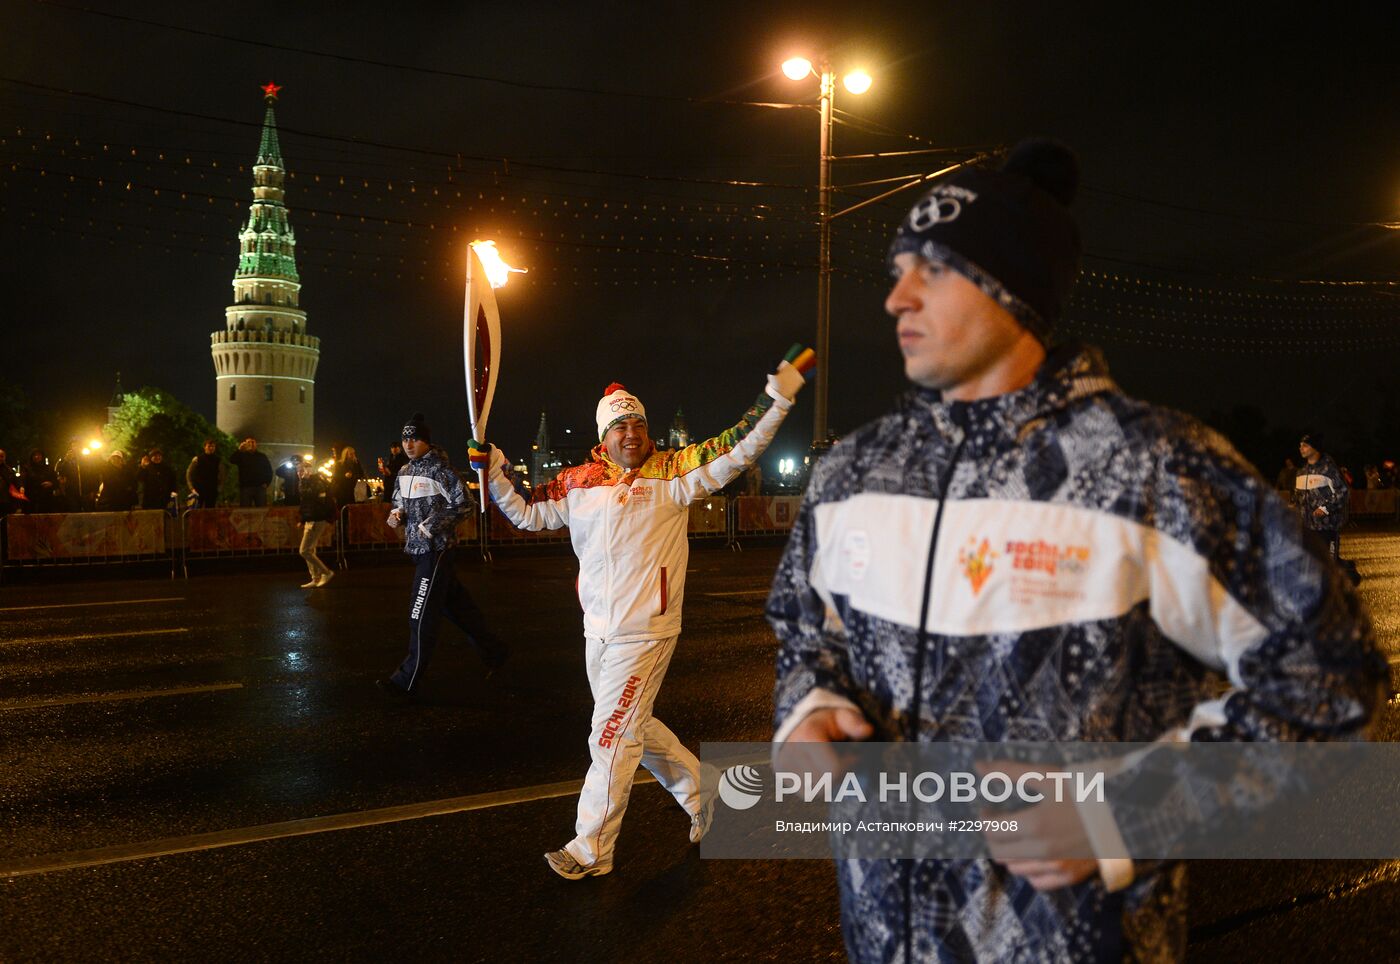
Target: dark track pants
<point>436,591</point>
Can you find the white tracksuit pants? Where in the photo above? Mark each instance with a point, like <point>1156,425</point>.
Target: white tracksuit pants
<point>625,678</point>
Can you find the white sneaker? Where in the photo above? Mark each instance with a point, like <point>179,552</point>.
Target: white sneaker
<point>309,585</point>
<point>700,820</point>
<point>325,579</point>
<point>563,863</point>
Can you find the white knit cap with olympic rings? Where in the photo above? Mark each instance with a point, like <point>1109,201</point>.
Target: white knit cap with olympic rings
<point>616,404</point>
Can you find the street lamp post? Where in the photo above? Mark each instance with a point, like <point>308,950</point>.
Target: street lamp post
<point>798,68</point>
<point>819,426</point>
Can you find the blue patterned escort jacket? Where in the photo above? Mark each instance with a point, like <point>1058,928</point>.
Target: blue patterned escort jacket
<point>1104,570</point>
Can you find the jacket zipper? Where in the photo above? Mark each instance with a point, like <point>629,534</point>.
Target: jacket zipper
<point>920,651</point>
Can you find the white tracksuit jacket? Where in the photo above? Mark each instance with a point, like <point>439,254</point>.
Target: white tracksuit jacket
<point>628,528</point>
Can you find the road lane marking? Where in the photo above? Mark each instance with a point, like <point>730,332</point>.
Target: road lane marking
<point>122,853</point>
<point>77,639</point>
<point>741,592</point>
<point>112,602</point>
<point>36,702</point>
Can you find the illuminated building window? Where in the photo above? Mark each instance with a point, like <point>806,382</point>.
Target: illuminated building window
<point>303,394</point>
<point>267,392</point>
<point>233,393</point>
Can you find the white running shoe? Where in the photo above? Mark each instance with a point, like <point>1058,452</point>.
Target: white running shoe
<point>325,579</point>
<point>309,585</point>
<point>563,863</point>
<point>700,821</point>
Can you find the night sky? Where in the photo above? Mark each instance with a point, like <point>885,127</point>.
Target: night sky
<point>1230,162</point>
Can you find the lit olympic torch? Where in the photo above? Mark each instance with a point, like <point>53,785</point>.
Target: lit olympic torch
<point>481,339</point>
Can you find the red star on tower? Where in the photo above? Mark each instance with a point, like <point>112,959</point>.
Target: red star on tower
<point>270,90</point>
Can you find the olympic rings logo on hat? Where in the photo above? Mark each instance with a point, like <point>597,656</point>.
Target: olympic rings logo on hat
<point>934,210</point>
<point>623,405</point>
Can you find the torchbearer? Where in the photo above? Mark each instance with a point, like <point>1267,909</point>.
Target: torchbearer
<point>626,509</point>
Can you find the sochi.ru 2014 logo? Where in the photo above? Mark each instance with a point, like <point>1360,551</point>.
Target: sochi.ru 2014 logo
<point>741,787</point>
<point>976,562</point>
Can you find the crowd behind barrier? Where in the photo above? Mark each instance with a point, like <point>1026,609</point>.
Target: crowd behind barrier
<point>153,535</point>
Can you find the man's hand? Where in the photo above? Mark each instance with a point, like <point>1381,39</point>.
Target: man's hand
<point>792,372</point>
<point>395,518</point>
<point>1052,874</point>
<point>808,747</point>
<point>1319,512</point>
<point>479,455</point>
<point>1046,832</point>
<point>833,725</point>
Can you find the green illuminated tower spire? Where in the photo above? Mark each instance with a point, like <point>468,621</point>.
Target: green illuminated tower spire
<point>264,359</point>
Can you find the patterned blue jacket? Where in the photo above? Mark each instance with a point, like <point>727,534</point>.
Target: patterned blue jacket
<point>1102,570</point>
<point>1321,486</point>
<point>432,498</point>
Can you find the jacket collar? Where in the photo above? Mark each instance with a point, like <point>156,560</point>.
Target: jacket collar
<point>1070,372</point>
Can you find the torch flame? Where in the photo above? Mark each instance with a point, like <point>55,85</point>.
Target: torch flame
<point>496,270</point>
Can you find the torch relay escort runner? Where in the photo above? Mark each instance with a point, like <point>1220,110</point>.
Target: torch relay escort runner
<point>1022,552</point>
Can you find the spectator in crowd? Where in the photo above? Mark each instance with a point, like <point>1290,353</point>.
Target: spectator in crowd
<point>157,482</point>
<point>254,473</point>
<point>317,514</point>
<point>205,475</point>
<point>10,492</point>
<point>346,473</point>
<point>118,488</point>
<point>1373,478</point>
<point>290,474</point>
<point>389,469</point>
<point>40,484</point>
<point>70,477</point>
<point>1287,476</point>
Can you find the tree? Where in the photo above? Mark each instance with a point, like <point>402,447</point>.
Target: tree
<point>152,418</point>
<point>19,431</point>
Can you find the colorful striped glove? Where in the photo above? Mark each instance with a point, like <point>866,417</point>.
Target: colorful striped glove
<point>479,455</point>
<point>792,373</point>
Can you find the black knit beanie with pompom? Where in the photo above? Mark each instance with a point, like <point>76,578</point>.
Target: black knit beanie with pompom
<point>1009,231</point>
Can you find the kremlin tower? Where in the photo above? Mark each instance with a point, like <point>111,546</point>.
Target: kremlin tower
<point>265,362</point>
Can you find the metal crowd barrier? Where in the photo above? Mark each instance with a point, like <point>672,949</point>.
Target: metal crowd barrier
<point>239,532</point>
<point>364,526</point>
<point>103,538</point>
<point>87,539</point>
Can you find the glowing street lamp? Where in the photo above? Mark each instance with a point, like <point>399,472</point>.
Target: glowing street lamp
<point>856,82</point>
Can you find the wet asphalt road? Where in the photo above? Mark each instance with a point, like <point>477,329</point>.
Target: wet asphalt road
<point>138,712</point>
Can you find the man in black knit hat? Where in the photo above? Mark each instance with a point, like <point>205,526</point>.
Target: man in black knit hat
<point>1324,500</point>
<point>429,500</point>
<point>919,599</point>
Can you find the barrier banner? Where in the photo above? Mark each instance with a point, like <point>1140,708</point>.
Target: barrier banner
<point>708,516</point>
<point>85,535</point>
<point>247,530</point>
<point>468,529</point>
<point>365,525</point>
<point>759,513</point>
<point>1373,502</point>
<point>501,531</point>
